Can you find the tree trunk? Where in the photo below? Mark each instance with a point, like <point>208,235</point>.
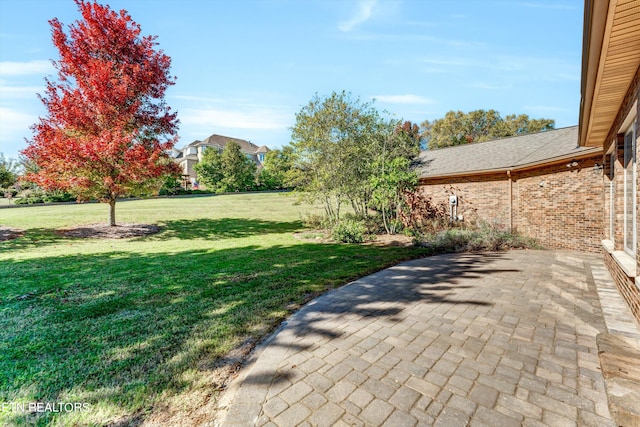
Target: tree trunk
<point>112,212</point>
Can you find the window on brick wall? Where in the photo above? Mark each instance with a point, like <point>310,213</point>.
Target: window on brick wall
<point>630,189</point>
<point>612,205</point>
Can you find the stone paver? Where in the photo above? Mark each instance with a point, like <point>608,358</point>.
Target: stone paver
<point>460,339</point>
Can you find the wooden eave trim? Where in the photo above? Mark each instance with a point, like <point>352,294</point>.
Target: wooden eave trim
<point>596,16</point>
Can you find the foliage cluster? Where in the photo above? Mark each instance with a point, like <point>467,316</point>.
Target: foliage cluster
<point>108,129</point>
<point>9,171</point>
<point>229,170</point>
<point>278,170</point>
<point>349,230</point>
<point>346,153</point>
<point>9,174</point>
<point>457,128</point>
<point>36,196</point>
<point>475,237</point>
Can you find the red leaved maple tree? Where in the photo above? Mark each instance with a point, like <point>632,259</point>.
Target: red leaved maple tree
<point>108,130</point>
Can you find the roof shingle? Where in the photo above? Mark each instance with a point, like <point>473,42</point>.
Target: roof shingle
<point>502,154</point>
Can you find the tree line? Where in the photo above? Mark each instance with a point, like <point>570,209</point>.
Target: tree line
<point>230,170</point>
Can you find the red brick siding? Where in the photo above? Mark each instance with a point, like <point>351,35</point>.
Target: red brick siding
<point>560,207</point>
<point>480,198</point>
<point>625,284</point>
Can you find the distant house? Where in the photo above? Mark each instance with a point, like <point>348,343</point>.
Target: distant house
<point>543,185</point>
<point>191,154</point>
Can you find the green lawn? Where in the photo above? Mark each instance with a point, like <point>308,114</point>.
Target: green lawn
<point>129,325</point>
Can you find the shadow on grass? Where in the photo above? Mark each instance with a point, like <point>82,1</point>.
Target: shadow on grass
<point>119,329</point>
<point>223,228</point>
<point>203,228</point>
<point>32,238</point>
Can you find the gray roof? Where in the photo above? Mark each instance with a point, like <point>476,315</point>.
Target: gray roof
<point>221,141</point>
<point>503,154</point>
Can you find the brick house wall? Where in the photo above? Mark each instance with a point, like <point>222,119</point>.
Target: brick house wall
<point>620,263</point>
<point>561,207</point>
<point>626,285</point>
<point>482,198</point>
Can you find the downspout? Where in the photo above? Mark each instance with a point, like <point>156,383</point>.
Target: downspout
<point>510,200</point>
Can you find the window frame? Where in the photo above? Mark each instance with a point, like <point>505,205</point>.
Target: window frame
<point>612,195</point>
<point>630,184</point>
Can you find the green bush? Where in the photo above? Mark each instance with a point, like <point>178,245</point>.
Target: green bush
<point>315,221</point>
<point>372,222</point>
<point>484,237</point>
<point>35,196</point>
<point>179,191</point>
<point>349,231</point>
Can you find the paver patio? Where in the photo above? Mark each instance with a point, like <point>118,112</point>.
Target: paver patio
<point>485,339</point>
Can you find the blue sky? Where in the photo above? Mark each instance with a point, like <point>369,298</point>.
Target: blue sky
<point>245,67</point>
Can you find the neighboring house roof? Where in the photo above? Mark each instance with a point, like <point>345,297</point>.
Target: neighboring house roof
<point>262,149</point>
<point>512,153</point>
<point>610,58</point>
<point>221,141</point>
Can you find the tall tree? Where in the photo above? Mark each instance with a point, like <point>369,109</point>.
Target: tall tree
<point>8,171</point>
<point>277,170</point>
<point>108,128</point>
<point>209,169</point>
<point>239,171</point>
<point>457,128</point>
<point>227,171</point>
<point>405,141</point>
<point>335,139</point>
<point>391,176</point>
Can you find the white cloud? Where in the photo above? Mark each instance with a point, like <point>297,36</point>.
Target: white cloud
<point>10,68</point>
<point>14,120</point>
<point>546,108</point>
<point>19,92</point>
<point>489,86</point>
<point>14,127</point>
<point>518,67</point>
<point>236,119</point>
<point>200,99</point>
<point>547,5</point>
<point>403,99</point>
<point>362,15</point>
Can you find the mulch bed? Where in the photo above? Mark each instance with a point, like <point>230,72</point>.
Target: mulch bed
<point>104,231</point>
<point>8,233</point>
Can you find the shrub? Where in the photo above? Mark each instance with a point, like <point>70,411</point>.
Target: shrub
<point>315,221</point>
<point>372,222</point>
<point>349,231</point>
<point>484,237</point>
<point>57,196</point>
<point>35,196</point>
<point>422,214</point>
